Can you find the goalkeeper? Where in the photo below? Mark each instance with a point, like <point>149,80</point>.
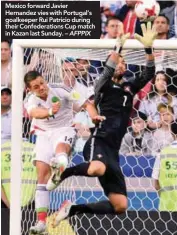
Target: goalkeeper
<point>113,99</point>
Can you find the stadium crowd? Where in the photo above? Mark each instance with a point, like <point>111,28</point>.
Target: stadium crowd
<point>155,106</point>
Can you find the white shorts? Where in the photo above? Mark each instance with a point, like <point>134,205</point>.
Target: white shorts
<point>47,142</point>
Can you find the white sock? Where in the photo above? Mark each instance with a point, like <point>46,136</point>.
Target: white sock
<point>42,198</point>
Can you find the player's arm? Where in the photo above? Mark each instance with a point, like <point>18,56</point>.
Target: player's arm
<point>42,113</point>
<point>149,34</point>
<point>156,185</point>
<point>155,172</point>
<point>39,112</point>
<point>93,113</point>
<point>103,80</point>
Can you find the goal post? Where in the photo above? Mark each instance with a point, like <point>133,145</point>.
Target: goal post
<point>17,101</point>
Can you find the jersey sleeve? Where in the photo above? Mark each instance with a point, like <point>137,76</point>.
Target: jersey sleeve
<point>103,80</point>
<point>30,102</point>
<point>147,75</point>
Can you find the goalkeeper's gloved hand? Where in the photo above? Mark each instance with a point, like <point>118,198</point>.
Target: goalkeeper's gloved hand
<point>120,41</point>
<point>149,34</point>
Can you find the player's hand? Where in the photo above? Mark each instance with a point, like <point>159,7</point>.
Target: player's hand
<point>149,34</point>
<point>120,42</point>
<point>97,119</point>
<point>55,107</point>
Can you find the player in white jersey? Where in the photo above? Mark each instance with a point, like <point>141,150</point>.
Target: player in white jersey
<point>52,122</point>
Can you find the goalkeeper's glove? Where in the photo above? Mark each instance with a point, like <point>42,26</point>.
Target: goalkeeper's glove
<point>120,42</point>
<point>149,34</point>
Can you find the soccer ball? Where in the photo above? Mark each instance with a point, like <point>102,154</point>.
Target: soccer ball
<point>147,10</point>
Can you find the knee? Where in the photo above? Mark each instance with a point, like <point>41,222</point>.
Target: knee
<point>96,168</point>
<point>120,207</point>
<point>119,202</point>
<point>43,177</point>
<point>43,174</point>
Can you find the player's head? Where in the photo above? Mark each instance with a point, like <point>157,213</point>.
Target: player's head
<point>166,114</point>
<point>112,27</point>
<point>139,122</point>
<point>82,65</point>
<point>161,24</point>
<point>36,84</point>
<point>5,51</point>
<point>5,98</point>
<point>120,70</point>
<point>174,129</point>
<point>69,69</point>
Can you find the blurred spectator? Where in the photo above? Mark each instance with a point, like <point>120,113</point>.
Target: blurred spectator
<point>161,24</point>
<point>6,64</point>
<point>171,13</point>
<point>84,77</point>
<point>138,141</point>
<point>159,94</point>
<point>165,4</point>
<point>82,123</point>
<point>105,14</point>
<point>128,17</point>
<point>164,173</point>
<point>5,114</point>
<point>114,28</point>
<point>162,136</point>
<point>28,187</point>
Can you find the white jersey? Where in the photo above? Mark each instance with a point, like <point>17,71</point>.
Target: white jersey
<point>64,117</point>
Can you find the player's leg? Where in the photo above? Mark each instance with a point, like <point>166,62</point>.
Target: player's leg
<point>119,202</point>
<point>115,189</point>
<point>95,165</point>
<point>43,155</point>
<point>62,141</point>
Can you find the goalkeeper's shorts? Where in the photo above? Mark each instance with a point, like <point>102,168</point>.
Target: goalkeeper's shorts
<point>113,180</point>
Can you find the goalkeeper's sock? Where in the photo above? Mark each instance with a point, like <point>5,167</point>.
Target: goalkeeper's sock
<point>79,170</point>
<point>103,207</point>
<point>41,202</point>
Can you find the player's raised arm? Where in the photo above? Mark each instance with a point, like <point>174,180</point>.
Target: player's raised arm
<point>149,35</point>
<point>111,64</point>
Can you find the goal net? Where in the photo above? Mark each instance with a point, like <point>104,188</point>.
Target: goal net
<point>143,215</point>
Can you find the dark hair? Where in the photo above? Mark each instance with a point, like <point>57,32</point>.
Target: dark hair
<point>140,115</point>
<point>109,19</point>
<point>154,91</point>
<point>164,106</point>
<point>30,76</point>
<point>174,127</point>
<point>163,15</point>
<point>7,41</point>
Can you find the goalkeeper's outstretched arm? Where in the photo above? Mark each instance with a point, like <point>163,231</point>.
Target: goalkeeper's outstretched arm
<point>149,35</point>
<point>110,65</point>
